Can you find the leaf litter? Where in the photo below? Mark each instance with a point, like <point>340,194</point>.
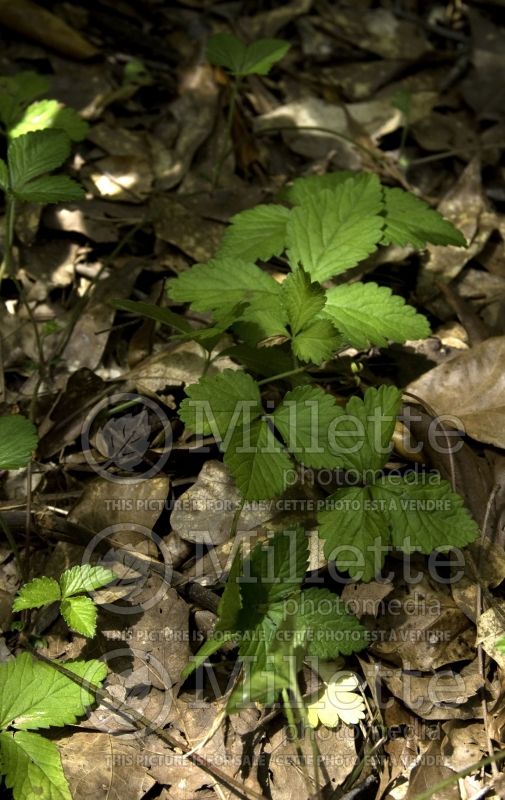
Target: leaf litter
<point>408,91</point>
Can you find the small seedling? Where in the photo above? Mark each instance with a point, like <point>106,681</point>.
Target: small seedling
<point>35,695</point>
<point>78,610</point>
<point>240,60</point>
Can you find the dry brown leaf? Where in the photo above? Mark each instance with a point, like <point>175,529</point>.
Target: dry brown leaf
<point>471,388</point>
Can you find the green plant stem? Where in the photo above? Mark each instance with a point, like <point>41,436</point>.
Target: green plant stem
<point>10,212</point>
<point>228,139</point>
<point>282,375</point>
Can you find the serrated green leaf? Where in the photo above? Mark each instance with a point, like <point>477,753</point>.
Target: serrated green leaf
<point>425,517</point>
<point>361,440</point>
<point>258,233</point>
<point>303,188</point>
<point>366,313</point>
<point>221,284</point>
<point>18,440</point>
<point>317,342</point>
<point>80,614</point>
<point>331,631</point>
<point>50,189</point>
<point>84,578</point>
<point>304,420</point>
<point>225,50</point>
<point>335,229</point>
<point>4,175</point>
<point>257,462</point>
<point>218,404</point>
<point>356,534</point>
<point>35,695</point>
<point>16,91</point>
<point>36,593</point>
<point>262,322</point>
<point>302,300</point>
<point>34,154</point>
<point>32,767</point>
<point>45,114</point>
<point>409,220</point>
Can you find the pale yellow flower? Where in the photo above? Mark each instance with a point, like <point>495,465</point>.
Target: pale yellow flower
<point>338,701</point>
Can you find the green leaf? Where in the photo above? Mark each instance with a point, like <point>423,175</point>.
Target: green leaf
<point>32,767</point>
<point>356,534</point>
<point>84,578</point>
<point>50,189</point>
<point>317,342</point>
<point>303,188</point>
<point>45,114</point>
<point>257,233</point>
<point>304,420</point>
<point>80,614</point>
<point>425,517</point>
<point>216,405</point>
<point>222,283</point>
<point>149,310</point>
<point>35,695</point>
<point>367,314</point>
<point>207,649</point>
<point>18,440</point>
<point>36,593</point>
<point>262,322</point>
<point>16,91</point>
<point>4,175</point>
<point>361,440</point>
<point>410,220</point>
<point>335,229</point>
<point>34,154</point>
<point>257,462</point>
<point>302,300</point>
<point>225,50</point>
<point>331,631</point>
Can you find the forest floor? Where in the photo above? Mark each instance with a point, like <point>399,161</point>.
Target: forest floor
<point>413,92</point>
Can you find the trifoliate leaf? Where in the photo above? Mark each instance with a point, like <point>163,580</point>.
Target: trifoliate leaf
<point>304,420</point>
<point>331,631</point>
<point>222,283</point>
<point>303,188</point>
<point>34,694</point>
<point>36,593</point>
<point>50,189</point>
<point>366,313</point>
<point>425,517</point>
<point>225,50</point>
<point>45,114</point>
<point>34,154</point>
<point>362,437</point>
<point>32,767</point>
<point>302,300</point>
<point>356,534</point>
<point>337,702</point>
<point>18,440</point>
<point>257,462</point>
<point>257,233</point>
<point>84,578</point>
<point>80,614</point>
<point>334,229</point>
<point>4,175</point>
<point>218,404</point>
<point>317,342</point>
<point>410,220</point>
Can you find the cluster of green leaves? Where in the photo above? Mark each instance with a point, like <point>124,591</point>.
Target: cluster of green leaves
<point>378,512</point>
<point>18,440</point>
<point>35,695</point>
<point>336,221</point>
<point>274,623</point>
<point>78,610</point>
